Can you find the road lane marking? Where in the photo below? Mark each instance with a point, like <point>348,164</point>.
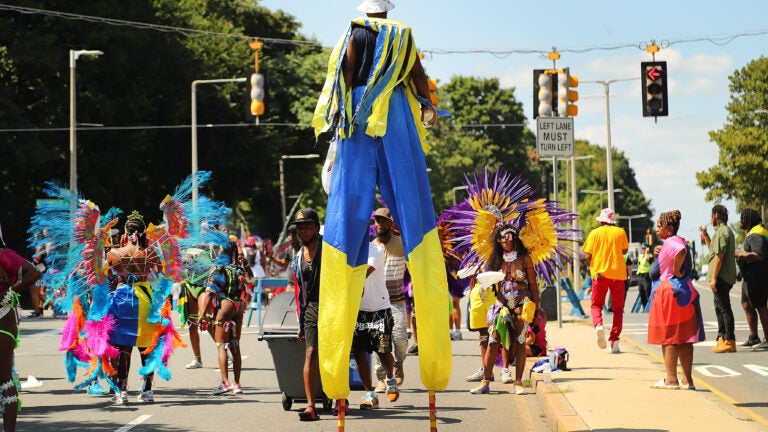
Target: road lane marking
<point>133,423</point>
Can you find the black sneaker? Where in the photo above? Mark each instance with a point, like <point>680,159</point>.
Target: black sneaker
<point>413,350</point>
<point>39,314</point>
<point>751,341</point>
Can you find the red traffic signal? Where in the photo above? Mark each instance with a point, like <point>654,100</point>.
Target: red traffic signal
<point>654,88</point>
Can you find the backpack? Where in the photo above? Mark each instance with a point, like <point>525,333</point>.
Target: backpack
<point>559,359</point>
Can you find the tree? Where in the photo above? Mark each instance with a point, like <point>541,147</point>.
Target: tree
<point>741,172</point>
<point>488,128</point>
<point>144,79</point>
<point>591,174</point>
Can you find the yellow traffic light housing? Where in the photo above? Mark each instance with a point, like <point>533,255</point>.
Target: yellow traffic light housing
<point>566,97</point>
<point>257,94</point>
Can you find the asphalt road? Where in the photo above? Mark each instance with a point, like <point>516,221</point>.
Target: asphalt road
<point>185,404</point>
<point>740,378</point>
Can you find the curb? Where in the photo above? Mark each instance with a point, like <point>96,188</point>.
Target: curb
<point>557,408</point>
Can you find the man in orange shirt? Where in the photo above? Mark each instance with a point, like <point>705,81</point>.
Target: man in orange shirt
<point>605,248</point>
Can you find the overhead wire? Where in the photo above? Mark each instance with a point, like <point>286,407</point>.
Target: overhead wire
<point>188,32</point>
<point>719,40</point>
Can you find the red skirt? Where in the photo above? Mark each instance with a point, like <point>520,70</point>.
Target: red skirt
<point>669,323</point>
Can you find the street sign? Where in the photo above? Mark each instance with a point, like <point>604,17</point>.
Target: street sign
<point>554,136</point>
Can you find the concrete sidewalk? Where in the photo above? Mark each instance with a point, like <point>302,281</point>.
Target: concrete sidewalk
<point>605,391</point>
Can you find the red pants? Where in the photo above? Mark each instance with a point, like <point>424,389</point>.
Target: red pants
<point>617,288</point>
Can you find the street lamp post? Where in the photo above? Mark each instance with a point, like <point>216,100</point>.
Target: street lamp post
<point>73,56</point>
<point>195,83</point>
<point>608,152</point>
<point>282,179</point>
<point>629,218</point>
<point>601,193</point>
<point>457,188</point>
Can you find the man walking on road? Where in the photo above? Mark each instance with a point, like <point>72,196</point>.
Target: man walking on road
<point>373,332</point>
<point>394,271</point>
<point>307,282</point>
<point>722,276</point>
<point>605,248</point>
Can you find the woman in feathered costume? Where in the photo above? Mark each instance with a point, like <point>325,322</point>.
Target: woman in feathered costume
<point>82,242</point>
<point>132,266</point>
<point>514,238</point>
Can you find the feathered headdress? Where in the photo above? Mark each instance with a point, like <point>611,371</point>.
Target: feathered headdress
<point>498,198</point>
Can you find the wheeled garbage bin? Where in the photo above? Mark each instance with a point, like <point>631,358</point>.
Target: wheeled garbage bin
<point>279,328</point>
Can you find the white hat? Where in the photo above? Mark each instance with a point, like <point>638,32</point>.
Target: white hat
<point>375,6</point>
<point>607,216</point>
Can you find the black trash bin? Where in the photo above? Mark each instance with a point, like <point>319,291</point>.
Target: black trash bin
<point>279,328</point>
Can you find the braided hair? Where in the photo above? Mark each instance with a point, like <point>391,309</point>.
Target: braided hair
<point>671,219</point>
<point>136,229</point>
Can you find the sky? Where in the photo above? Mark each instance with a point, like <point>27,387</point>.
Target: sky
<point>598,41</point>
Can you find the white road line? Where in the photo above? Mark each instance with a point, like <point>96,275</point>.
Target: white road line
<point>133,423</point>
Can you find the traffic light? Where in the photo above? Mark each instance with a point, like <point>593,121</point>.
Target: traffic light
<point>654,80</point>
<point>257,94</point>
<point>542,93</point>
<point>432,91</point>
<point>565,96</point>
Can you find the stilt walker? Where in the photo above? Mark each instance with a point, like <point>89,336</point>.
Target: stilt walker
<point>378,118</point>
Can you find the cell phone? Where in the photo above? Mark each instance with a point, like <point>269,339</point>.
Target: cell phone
<point>41,267</point>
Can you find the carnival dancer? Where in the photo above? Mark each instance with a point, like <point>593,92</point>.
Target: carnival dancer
<point>518,287</point>
<point>376,95</point>
<point>16,275</point>
<point>514,238</point>
<point>202,252</point>
<point>149,262</point>
<point>132,267</point>
<point>221,312</point>
<point>198,264</point>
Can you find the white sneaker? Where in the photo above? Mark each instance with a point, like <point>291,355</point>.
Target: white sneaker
<point>478,376</point>
<point>600,332</point>
<point>194,364</point>
<point>456,334</point>
<point>147,396</point>
<point>760,346</point>
<point>121,398</point>
<point>506,376</point>
<point>615,347</point>
<point>381,387</point>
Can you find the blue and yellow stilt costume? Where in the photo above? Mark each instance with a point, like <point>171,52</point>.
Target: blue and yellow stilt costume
<point>380,143</point>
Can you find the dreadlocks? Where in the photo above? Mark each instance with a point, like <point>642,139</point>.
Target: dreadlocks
<point>750,218</point>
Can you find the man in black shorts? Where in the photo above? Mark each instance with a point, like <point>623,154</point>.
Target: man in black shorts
<point>373,332</point>
<point>754,269</point>
<point>306,277</point>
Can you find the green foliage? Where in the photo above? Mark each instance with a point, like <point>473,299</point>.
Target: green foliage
<point>591,174</point>
<point>144,79</point>
<point>488,129</point>
<point>741,172</point>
